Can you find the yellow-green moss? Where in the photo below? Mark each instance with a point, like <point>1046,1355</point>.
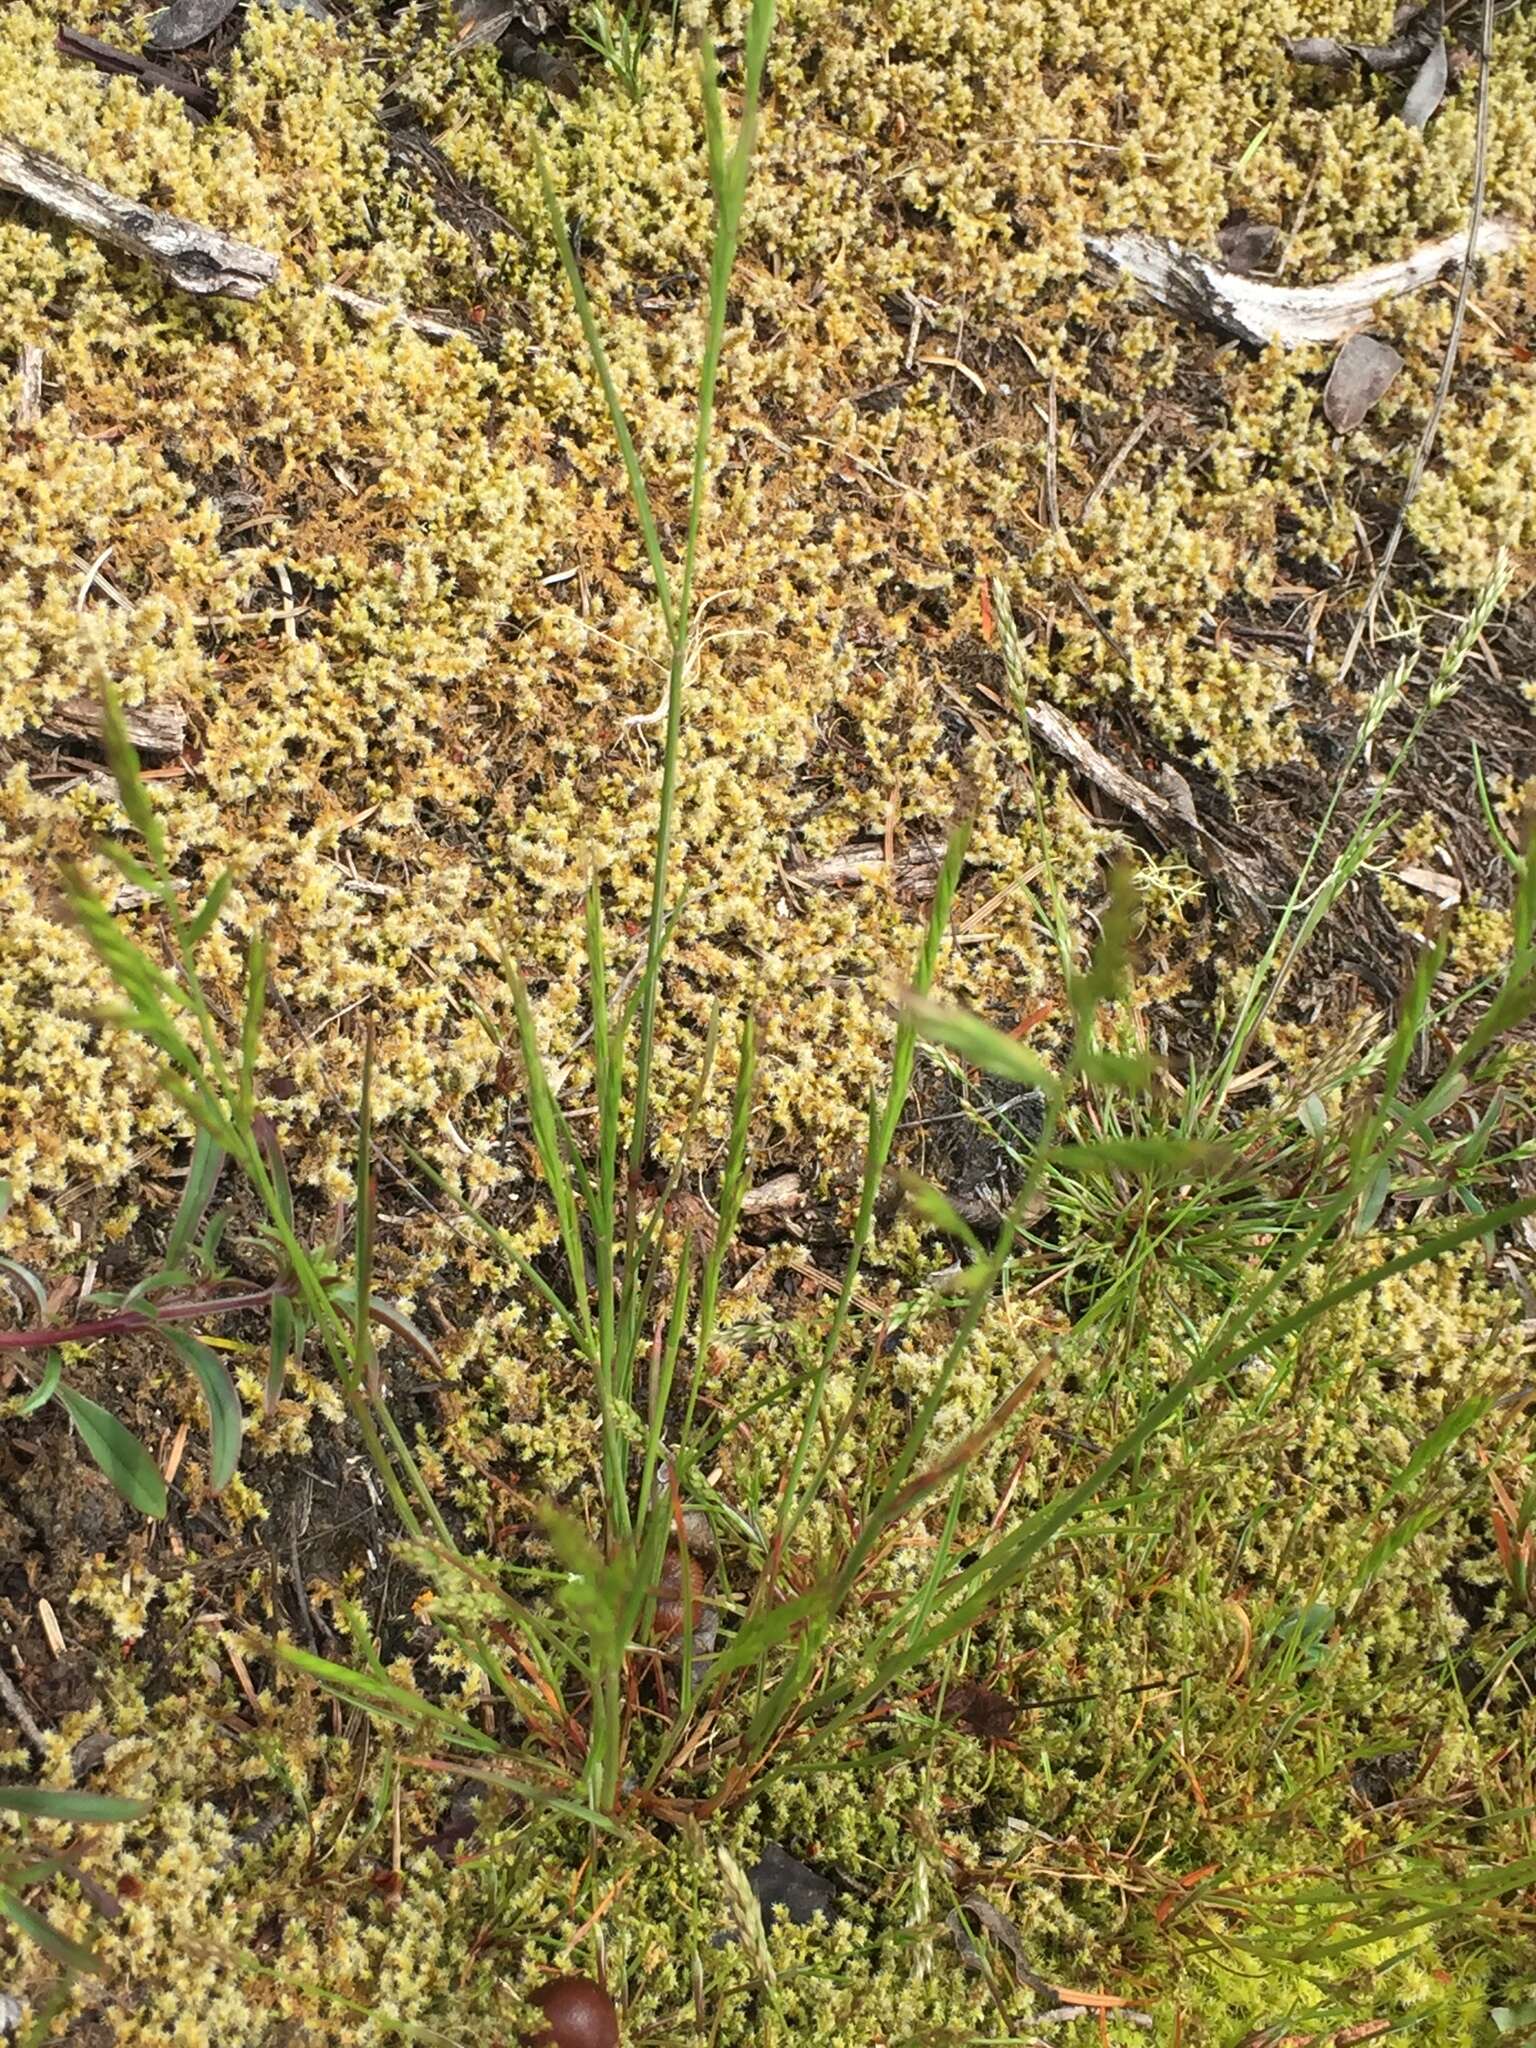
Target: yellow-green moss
<point>415,494</point>
<point>395,586</point>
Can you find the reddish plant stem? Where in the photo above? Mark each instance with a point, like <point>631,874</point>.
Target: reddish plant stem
<point>182,1311</point>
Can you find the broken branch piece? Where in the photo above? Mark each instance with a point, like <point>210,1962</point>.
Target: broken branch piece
<point>1258,312</point>
<point>107,57</point>
<point>151,728</point>
<point>196,258</point>
<point>1170,818</point>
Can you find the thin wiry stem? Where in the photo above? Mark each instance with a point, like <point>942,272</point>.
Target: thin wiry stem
<point>1431,431</point>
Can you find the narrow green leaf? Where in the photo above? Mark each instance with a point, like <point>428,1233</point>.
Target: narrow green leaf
<point>530,1790</point>
<point>132,869</point>
<point>250,1019</point>
<point>145,1289</point>
<point>1111,958</point>
<point>1372,1202</point>
<point>283,1322</point>
<point>207,915</point>
<point>991,1050</point>
<point>1470,1888</point>
<point>639,495</point>
<point>265,1133</point>
<point>225,1421</point>
<point>213,1237</point>
<point>1496,833</point>
<point>936,1209</point>
<point>60,1802</point>
<point>69,1953</point>
<point>47,1386</point>
<point>124,763</point>
<point>1397,1538</point>
<point>1439,1441</point>
<point>1106,1069</point>
<point>382,1695</point>
<point>363,1351</point>
<point>118,1452</point>
<point>548,1135</point>
<point>1183,1158</point>
<point>773,1627</point>
<point>203,1172</point>
<point>393,1317</point>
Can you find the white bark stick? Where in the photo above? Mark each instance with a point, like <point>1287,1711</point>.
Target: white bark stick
<point>198,259</point>
<point>1259,312</point>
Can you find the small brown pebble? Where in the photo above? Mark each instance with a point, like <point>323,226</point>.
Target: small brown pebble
<point>579,2014</point>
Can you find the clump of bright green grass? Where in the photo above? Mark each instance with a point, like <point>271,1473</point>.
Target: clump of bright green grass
<point>621,33</point>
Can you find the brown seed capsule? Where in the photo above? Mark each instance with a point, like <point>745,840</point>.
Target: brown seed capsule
<point>577,2013</point>
<point>670,1596</point>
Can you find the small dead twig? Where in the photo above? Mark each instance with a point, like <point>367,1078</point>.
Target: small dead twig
<point>151,728</point>
<point>107,57</point>
<point>1052,432</point>
<point>301,1591</point>
<point>370,309</point>
<point>196,258</point>
<point>865,861</point>
<point>1114,465</point>
<point>21,1713</point>
<point>1170,818</point>
<point>29,379</point>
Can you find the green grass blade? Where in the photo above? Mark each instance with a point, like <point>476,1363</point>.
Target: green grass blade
<point>71,1954</point>
<point>205,918</point>
<point>124,764</point>
<point>375,1693</point>
<point>283,1330</point>
<point>203,1172</point>
<point>47,1386</point>
<point>991,1050</point>
<point>592,336</point>
<point>62,1802</point>
<point>365,1193</point>
<point>250,1021</point>
<point>225,1420</point>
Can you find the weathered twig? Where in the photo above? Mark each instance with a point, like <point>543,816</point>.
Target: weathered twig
<point>369,309</point>
<point>863,860</point>
<point>196,258</point>
<point>72,42</point>
<point>21,1713</point>
<point>1258,312</point>
<point>1170,818</point>
<point>29,378</point>
<point>151,728</point>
